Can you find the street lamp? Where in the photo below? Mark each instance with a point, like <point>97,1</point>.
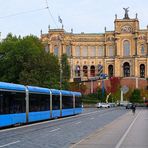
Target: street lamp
<point>103,88</point>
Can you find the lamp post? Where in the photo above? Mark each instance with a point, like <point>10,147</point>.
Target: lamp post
<point>103,89</point>
<point>60,74</point>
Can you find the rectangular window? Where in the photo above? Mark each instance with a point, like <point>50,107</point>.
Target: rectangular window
<point>55,102</point>
<point>92,51</point>
<point>39,102</point>
<point>68,51</point>
<point>56,51</point>
<point>100,51</point>
<point>84,51</point>
<point>78,101</point>
<point>77,51</point>
<point>67,102</point>
<point>12,102</point>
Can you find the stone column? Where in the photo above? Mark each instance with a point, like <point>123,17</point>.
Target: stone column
<point>88,66</point>
<point>147,49</point>
<point>104,49</point>
<point>115,46</point>
<point>136,44</point>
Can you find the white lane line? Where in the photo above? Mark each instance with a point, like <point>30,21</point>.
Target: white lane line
<point>92,118</point>
<point>78,123</point>
<point>127,131</point>
<point>8,144</point>
<point>54,130</point>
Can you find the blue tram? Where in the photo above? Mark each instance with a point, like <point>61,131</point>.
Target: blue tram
<point>21,104</point>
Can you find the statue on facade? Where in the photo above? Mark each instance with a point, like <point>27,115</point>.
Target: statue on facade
<point>126,13</point>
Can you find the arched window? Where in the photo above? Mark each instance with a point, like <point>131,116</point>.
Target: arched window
<point>100,51</point>
<point>85,71</point>
<point>142,49</point>
<point>110,70</point>
<point>47,48</point>
<point>92,51</point>
<point>77,51</point>
<point>84,51</point>
<point>92,71</point>
<point>77,71</point>
<point>68,50</point>
<point>126,69</point>
<point>111,51</point>
<point>142,71</point>
<point>56,50</point>
<point>126,48</point>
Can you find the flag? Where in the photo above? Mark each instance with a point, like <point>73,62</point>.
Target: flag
<point>59,19</point>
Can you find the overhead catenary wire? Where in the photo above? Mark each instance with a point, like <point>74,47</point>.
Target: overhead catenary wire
<point>24,12</point>
<point>51,13</point>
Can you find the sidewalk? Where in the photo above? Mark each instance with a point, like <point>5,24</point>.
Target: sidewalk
<point>128,131</point>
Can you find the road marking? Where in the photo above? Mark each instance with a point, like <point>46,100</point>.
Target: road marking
<point>8,144</point>
<point>92,118</point>
<point>99,130</point>
<point>49,121</point>
<point>127,131</point>
<point>78,122</point>
<point>54,130</point>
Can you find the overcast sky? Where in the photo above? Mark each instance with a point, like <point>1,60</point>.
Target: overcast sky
<point>24,17</point>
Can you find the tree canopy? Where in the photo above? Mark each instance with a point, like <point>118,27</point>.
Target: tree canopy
<point>25,61</point>
<point>65,67</point>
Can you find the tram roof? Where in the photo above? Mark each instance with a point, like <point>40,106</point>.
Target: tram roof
<point>11,86</point>
<point>67,93</point>
<point>55,91</point>
<point>77,93</point>
<point>35,89</point>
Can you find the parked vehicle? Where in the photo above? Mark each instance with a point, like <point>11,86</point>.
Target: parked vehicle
<point>112,104</point>
<point>103,105</point>
<point>128,106</point>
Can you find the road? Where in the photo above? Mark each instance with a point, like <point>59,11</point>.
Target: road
<point>128,131</point>
<point>60,132</point>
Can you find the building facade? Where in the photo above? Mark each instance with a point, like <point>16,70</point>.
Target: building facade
<point>121,53</point>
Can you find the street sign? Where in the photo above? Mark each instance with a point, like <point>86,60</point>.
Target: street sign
<point>100,70</point>
<point>124,89</point>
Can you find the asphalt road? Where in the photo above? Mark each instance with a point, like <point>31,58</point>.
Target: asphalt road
<point>128,131</point>
<point>59,133</point>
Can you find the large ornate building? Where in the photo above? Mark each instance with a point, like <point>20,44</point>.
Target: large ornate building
<point>121,53</point>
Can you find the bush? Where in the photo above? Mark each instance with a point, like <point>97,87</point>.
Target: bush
<point>136,96</point>
<point>90,99</point>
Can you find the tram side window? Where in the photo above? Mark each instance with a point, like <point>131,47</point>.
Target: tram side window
<point>55,102</point>
<point>2,107</point>
<point>67,102</point>
<point>78,102</point>
<point>12,102</point>
<point>39,102</point>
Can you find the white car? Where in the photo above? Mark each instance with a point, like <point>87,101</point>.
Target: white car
<point>103,105</point>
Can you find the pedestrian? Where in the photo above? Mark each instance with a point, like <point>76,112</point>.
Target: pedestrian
<point>133,108</point>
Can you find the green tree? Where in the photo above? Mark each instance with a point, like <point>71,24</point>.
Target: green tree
<point>25,61</point>
<point>65,72</point>
<point>136,96</point>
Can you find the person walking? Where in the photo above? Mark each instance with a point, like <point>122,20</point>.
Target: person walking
<point>133,108</point>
